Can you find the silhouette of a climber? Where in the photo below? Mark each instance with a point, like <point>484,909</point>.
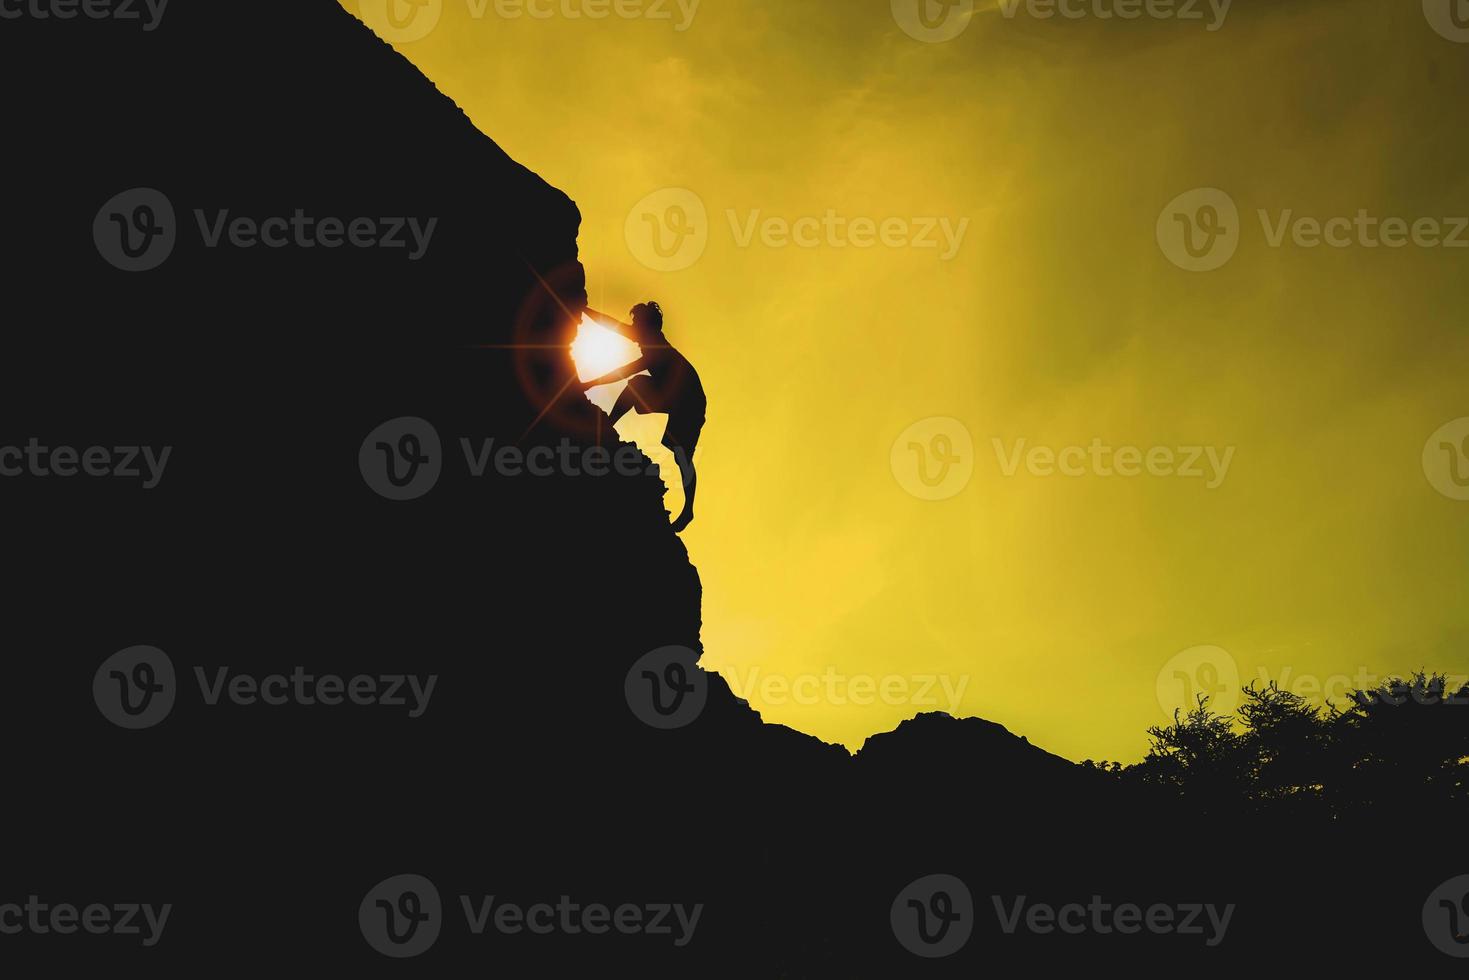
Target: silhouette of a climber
<point>672,387</point>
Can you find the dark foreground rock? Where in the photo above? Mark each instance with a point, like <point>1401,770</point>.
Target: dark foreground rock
<point>269,544</point>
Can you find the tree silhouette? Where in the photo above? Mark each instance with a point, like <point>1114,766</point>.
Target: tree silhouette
<point>1399,748</point>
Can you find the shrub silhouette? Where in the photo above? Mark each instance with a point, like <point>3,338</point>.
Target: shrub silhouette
<point>1399,748</point>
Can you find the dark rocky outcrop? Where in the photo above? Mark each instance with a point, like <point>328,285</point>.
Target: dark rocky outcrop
<point>264,548</point>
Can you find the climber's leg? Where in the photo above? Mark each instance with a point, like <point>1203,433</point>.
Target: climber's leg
<point>687,475</point>
<point>625,402</point>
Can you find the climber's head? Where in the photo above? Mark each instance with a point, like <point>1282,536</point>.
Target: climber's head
<point>648,319</point>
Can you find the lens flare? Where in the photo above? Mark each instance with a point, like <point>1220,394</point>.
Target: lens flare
<point>597,350</point>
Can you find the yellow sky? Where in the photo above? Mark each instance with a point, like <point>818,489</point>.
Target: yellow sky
<point>1054,310</point>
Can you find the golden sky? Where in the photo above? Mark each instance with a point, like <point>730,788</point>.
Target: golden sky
<point>997,232</point>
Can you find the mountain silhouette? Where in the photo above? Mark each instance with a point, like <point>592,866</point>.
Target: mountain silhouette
<point>326,408</point>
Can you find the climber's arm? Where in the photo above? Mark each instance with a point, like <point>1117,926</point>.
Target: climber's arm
<point>611,323</point>
<point>626,371</point>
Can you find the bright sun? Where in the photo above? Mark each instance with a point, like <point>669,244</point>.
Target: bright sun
<point>598,350</point>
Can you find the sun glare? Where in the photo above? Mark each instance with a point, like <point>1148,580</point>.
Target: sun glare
<point>597,350</point>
